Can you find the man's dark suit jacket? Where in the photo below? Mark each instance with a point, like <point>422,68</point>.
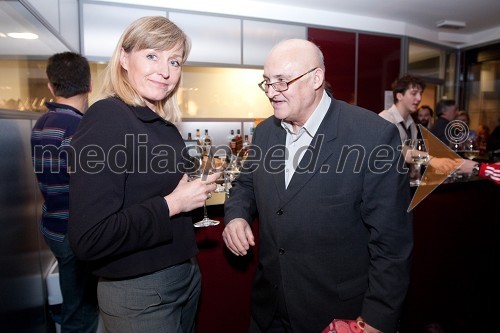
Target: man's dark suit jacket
<point>439,130</point>
<point>337,242</point>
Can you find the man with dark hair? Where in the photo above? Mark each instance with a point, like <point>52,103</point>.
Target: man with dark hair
<point>446,111</point>
<point>407,93</point>
<point>70,84</point>
<point>425,116</point>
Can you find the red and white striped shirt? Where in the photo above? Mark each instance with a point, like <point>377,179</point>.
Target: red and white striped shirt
<point>490,171</point>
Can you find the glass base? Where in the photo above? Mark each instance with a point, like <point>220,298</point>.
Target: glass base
<point>418,182</point>
<point>206,222</point>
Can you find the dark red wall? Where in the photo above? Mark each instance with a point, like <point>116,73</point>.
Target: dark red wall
<point>339,50</point>
<point>378,65</point>
<point>379,60</point>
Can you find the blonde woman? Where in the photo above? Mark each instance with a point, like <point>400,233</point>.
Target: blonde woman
<point>129,197</point>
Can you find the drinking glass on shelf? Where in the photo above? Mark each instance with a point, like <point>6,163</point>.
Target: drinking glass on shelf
<point>419,157</point>
<point>200,169</point>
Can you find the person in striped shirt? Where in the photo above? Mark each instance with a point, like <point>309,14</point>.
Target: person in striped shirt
<point>489,171</point>
<point>70,84</point>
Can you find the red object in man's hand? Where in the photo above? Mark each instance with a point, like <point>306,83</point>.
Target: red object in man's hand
<point>344,326</point>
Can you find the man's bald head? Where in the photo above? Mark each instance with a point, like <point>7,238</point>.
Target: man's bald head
<point>293,53</point>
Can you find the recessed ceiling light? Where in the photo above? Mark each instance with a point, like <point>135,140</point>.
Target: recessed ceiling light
<point>22,35</point>
<point>449,24</point>
<point>3,35</point>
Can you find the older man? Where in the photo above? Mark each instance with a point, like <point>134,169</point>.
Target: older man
<point>335,239</point>
<point>446,111</point>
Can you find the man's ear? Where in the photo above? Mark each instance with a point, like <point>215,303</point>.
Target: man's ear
<point>51,89</point>
<point>399,96</point>
<point>319,78</point>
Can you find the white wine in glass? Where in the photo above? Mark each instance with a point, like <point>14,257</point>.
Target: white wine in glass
<point>201,173</point>
<point>471,154</point>
<point>230,173</point>
<point>471,151</point>
<point>419,157</point>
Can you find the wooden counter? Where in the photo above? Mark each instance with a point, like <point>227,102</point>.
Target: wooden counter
<point>456,248</point>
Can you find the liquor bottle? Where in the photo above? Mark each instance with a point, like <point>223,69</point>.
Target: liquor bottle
<point>239,141</point>
<point>230,137</point>
<point>244,150</point>
<point>232,143</point>
<point>246,142</point>
<point>198,136</point>
<point>206,142</point>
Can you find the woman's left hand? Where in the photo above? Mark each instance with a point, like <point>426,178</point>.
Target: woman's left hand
<point>189,195</point>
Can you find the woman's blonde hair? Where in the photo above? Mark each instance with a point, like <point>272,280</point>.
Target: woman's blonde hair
<point>150,32</point>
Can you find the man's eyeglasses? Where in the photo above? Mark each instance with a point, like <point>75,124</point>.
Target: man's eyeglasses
<point>281,85</point>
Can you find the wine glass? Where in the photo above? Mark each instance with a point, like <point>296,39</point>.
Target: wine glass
<point>230,173</point>
<point>470,149</point>
<point>455,146</point>
<point>419,157</point>
<point>222,158</point>
<point>200,169</point>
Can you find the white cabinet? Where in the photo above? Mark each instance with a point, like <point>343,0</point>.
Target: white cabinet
<point>259,37</point>
<point>62,15</point>
<point>103,25</point>
<point>214,39</point>
<point>69,27</point>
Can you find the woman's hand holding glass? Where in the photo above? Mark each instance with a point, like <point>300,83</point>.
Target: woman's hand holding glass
<point>207,168</point>
<point>191,194</point>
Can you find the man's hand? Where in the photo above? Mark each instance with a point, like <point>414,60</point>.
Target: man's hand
<point>238,236</point>
<point>444,165</point>
<point>366,327</point>
<point>466,167</point>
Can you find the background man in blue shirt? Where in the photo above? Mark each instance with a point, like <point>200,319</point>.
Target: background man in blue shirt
<point>70,84</point>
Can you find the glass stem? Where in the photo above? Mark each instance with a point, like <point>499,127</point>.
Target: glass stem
<point>205,215</point>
